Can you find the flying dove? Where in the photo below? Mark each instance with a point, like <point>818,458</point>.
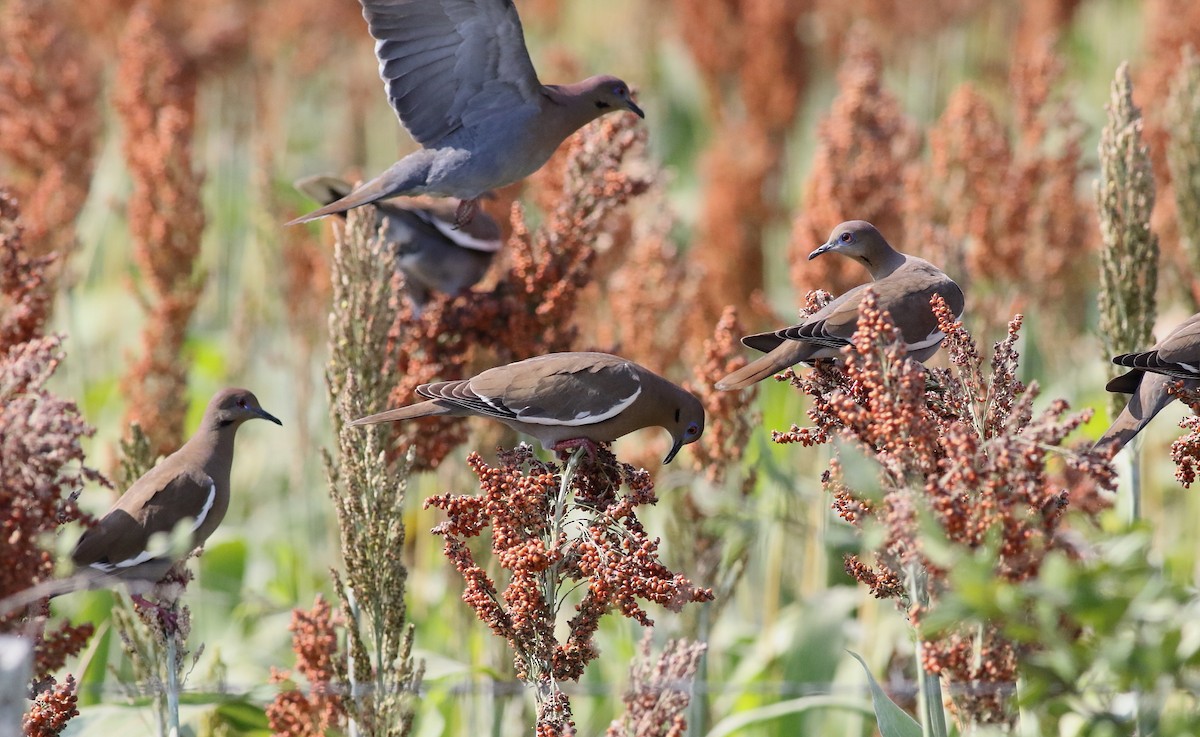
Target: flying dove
<point>459,77</point>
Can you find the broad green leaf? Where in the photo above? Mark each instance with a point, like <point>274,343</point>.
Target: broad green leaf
<point>243,716</point>
<point>893,721</point>
<point>741,720</point>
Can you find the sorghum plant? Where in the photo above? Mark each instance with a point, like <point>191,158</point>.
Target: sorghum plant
<point>1129,260</point>
<point>315,643</point>
<point>155,97</point>
<point>555,530</point>
<point>963,460</point>
<point>659,691</point>
<point>42,468</point>
<point>368,493</point>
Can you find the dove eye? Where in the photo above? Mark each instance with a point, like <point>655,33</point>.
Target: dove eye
<point>241,403</point>
<point>846,238</point>
<point>693,429</point>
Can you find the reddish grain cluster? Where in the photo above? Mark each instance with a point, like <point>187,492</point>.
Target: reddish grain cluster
<point>959,448</point>
<point>728,424</point>
<point>552,537</point>
<point>1185,451</point>
<point>156,99</point>
<point>314,642</point>
<point>50,121</point>
<point>659,691</point>
<point>42,466</point>
<point>754,68</point>
<point>52,709</point>
<point>1012,208</point>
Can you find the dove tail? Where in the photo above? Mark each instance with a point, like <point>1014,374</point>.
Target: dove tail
<point>430,408</point>
<point>406,177</point>
<point>754,372</point>
<point>1149,399</point>
<point>84,579</point>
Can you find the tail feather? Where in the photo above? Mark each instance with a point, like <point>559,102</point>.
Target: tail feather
<point>364,195</point>
<point>407,176</point>
<point>430,408</point>
<point>1149,399</point>
<point>83,579</point>
<point>783,357</point>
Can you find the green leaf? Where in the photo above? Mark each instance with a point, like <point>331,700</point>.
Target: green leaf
<point>223,567</point>
<point>243,716</point>
<point>893,721</point>
<point>746,718</point>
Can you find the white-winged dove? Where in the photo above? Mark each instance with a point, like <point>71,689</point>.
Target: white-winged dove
<point>565,400</point>
<point>434,254</point>
<point>1175,357</point>
<point>903,285</point>
<point>190,484</point>
<point>459,77</point>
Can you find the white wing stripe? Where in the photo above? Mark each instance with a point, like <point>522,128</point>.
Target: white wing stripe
<point>146,555</point>
<point>140,558</point>
<point>584,417</point>
<point>212,496</point>
<point>465,240</point>
<point>933,339</point>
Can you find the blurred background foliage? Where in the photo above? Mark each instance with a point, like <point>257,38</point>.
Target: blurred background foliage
<point>768,121</point>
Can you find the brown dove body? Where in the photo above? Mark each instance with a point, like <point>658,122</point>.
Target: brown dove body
<point>1174,358</point>
<point>191,483</point>
<point>564,397</point>
<point>435,256</point>
<point>903,285</point>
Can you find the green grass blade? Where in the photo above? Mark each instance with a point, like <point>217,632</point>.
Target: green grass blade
<point>893,721</point>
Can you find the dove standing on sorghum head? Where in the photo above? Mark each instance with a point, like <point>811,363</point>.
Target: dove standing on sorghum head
<point>459,77</point>
<point>435,256</point>
<point>1174,358</point>
<point>903,285</point>
<point>565,400</point>
<point>190,484</point>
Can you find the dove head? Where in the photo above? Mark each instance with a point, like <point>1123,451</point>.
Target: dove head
<point>606,93</point>
<point>686,423</point>
<point>232,407</point>
<point>861,241</point>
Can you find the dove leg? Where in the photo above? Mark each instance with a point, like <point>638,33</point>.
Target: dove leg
<point>465,212</point>
<point>563,446</point>
<point>168,618</point>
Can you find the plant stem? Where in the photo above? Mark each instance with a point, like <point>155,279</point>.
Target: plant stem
<point>933,723</point>
<point>172,687</point>
<point>564,489</point>
<point>355,686</point>
<point>1135,483</point>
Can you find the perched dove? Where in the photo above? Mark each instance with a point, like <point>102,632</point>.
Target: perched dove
<point>565,400</point>
<point>190,484</point>
<point>434,255</point>
<point>903,285</point>
<point>1175,357</point>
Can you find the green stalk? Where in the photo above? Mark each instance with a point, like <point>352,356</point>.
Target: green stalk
<point>1135,482</point>
<point>172,687</point>
<point>933,722</point>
